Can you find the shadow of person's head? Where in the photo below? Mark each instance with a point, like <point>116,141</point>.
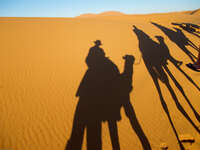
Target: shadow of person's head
<point>97,43</point>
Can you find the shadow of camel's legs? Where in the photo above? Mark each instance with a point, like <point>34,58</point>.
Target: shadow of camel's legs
<point>178,105</point>
<point>193,45</point>
<point>130,113</point>
<point>164,105</point>
<point>187,52</point>
<point>114,134</point>
<point>183,93</point>
<point>189,78</point>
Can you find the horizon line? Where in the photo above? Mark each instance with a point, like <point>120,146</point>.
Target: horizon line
<point>98,13</point>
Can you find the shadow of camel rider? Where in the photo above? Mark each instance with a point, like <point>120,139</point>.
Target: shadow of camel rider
<point>97,101</point>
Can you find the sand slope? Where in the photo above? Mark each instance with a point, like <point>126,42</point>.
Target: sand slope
<point>42,62</point>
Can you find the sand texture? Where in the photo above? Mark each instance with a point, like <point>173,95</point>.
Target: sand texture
<point>42,63</point>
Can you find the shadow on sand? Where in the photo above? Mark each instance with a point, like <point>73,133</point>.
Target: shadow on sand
<point>102,92</point>
<point>189,27</point>
<point>179,39</point>
<point>155,56</point>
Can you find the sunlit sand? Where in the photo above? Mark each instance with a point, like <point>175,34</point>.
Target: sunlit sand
<point>42,63</point>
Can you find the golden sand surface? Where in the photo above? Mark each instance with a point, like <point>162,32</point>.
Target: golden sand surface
<point>42,62</point>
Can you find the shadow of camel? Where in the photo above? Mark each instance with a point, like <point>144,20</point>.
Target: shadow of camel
<point>155,56</point>
<point>179,39</point>
<point>189,27</point>
<point>102,92</point>
<point>174,36</point>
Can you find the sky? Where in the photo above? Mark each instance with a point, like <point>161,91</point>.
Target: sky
<point>72,8</point>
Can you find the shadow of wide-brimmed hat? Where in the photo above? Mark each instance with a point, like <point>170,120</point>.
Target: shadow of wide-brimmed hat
<point>98,42</point>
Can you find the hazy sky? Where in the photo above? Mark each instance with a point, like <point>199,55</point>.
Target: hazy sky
<point>71,8</point>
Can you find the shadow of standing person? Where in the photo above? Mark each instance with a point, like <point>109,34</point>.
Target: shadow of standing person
<point>97,102</point>
<point>155,59</point>
<point>178,38</point>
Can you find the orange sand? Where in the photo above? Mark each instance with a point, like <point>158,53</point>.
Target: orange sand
<point>42,61</point>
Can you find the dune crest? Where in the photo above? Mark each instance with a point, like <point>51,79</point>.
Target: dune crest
<point>193,12</point>
<point>107,13</point>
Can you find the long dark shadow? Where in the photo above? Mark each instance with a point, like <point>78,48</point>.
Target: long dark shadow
<point>190,28</point>
<point>155,56</point>
<point>178,38</point>
<point>187,41</point>
<point>96,103</point>
<point>177,64</point>
<point>124,89</point>
<point>102,92</point>
<point>186,98</point>
<point>187,76</point>
<point>164,105</point>
<point>130,113</point>
<point>170,34</point>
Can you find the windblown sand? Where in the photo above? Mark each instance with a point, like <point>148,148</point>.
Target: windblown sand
<point>42,61</point>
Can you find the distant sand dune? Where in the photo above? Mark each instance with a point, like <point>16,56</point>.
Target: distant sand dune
<point>194,12</point>
<point>108,13</point>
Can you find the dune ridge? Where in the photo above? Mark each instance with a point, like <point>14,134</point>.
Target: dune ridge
<point>118,13</point>
<point>107,13</point>
<point>193,12</point>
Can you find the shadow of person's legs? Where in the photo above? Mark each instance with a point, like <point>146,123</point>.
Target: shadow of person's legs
<point>76,140</point>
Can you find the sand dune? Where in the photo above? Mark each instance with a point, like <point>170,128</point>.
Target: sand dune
<point>194,12</point>
<point>42,63</point>
<point>103,14</point>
